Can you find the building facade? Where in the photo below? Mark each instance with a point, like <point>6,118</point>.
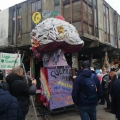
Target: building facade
<point>96,21</point>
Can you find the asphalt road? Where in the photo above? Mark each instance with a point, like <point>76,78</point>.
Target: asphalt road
<point>73,115</point>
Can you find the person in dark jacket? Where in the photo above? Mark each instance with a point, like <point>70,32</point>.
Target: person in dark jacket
<point>9,107</point>
<point>1,75</point>
<point>105,84</point>
<point>115,105</point>
<point>113,77</point>
<point>86,107</point>
<point>19,88</point>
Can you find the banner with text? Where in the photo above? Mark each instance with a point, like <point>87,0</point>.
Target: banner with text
<point>7,60</point>
<point>60,87</point>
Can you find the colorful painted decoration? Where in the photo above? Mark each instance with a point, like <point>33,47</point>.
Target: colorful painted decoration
<point>61,87</point>
<point>60,17</point>
<point>36,17</point>
<point>46,14</point>
<point>57,33</point>
<point>44,84</point>
<point>45,59</point>
<point>54,13</point>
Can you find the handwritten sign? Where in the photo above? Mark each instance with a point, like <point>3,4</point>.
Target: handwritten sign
<point>54,13</point>
<point>36,17</point>
<point>61,86</point>
<point>46,13</point>
<point>7,60</point>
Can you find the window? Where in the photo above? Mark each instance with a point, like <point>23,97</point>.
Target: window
<point>33,11</point>
<point>95,18</point>
<point>35,7</point>
<point>13,24</point>
<point>57,5</point>
<point>19,22</point>
<point>39,6</point>
<point>115,26</point>
<point>95,2</point>
<point>90,1</point>
<point>106,23</point>
<point>57,2</point>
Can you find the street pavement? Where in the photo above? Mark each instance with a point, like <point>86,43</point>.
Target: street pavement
<point>73,115</point>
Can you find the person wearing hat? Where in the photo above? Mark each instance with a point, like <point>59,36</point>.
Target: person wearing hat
<point>86,103</point>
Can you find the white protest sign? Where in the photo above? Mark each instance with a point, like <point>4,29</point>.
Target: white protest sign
<point>7,60</point>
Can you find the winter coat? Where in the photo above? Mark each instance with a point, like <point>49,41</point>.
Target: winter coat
<point>105,83</point>
<point>115,90</point>
<point>9,107</point>
<point>19,89</point>
<point>115,77</point>
<point>80,100</point>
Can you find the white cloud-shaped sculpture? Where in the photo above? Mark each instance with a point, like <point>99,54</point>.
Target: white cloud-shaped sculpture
<point>55,30</point>
<point>53,33</point>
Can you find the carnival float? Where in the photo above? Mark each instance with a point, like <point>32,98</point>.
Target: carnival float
<point>50,40</point>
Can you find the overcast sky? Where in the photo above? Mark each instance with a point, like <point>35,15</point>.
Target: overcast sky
<point>114,4</point>
<point>7,3</point>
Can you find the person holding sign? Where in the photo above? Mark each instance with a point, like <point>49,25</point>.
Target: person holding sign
<point>20,89</point>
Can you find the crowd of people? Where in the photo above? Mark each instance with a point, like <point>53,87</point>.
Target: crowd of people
<point>102,82</point>
<point>14,101</point>
<point>91,87</point>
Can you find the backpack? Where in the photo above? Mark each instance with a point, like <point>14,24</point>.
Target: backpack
<point>4,85</point>
<point>89,88</point>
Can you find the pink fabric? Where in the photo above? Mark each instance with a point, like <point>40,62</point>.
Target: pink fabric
<point>60,17</point>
